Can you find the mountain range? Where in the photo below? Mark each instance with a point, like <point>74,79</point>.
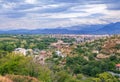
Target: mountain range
<point>112,28</point>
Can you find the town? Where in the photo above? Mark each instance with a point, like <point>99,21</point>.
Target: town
<point>83,56</point>
<point>62,46</point>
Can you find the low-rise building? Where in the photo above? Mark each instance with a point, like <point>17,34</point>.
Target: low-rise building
<point>58,53</point>
<point>20,51</point>
<point>29,52</point>
<point>23,51</point>
<point>95,51</point>
<point>117,66</point>
<point>102,56</point>
<point>36,51</point>
<point>41,57</point>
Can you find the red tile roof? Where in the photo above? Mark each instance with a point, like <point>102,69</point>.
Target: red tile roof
<point>117,65</point>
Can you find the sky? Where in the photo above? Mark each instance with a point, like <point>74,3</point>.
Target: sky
<point>40,14</point>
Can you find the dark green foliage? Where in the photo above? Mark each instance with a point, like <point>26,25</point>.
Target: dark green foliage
<point>117,46</point>
<point>12,64</point>
<point>68,40</point>
<point>24,41</point>
<point>91,68</point>
<point>105,77</point>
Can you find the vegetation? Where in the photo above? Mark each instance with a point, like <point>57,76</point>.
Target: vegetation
<point>21,65</point>
<point>82,65</point>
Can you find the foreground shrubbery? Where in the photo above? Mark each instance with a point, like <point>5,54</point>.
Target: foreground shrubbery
<point>24,66</point>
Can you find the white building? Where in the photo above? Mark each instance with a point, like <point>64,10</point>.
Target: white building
<point>58,53</point>
<point>20,51</point>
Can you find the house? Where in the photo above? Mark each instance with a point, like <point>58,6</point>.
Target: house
<point>102,56</point>
<point>41,57</point>
<point>58,53</point>
<point>118,51</point>
<point>59,44</point>
<point>117,66</point>
<point>23,51</point>
<point>95,51</point>
<point>36,51</point>
<point>29,52</point>
<point>20,51</point>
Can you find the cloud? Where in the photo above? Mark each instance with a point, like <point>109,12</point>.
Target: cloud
<point>32,14</point>
<point>31,1</point>
<point>16,1</point>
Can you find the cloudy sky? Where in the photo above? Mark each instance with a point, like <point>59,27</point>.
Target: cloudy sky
<point>32,14</point>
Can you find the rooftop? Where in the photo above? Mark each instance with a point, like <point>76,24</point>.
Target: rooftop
<point>117,65</point>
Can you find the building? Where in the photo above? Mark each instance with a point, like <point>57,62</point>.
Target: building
<point>41,57</point>
<point>23,51</point>
<point>20,51</point>
<point>58,53</point>
<point>29,52</point>
<point>36,51</point>
<point>102,56</point>
<point>117,66</point>
<point>95,51</point>
<point>59,44</point>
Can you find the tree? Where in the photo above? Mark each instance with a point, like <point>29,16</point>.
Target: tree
<point>63,76</point>
<point>105,77</point>
<point>44,74</point>
<point>9,47</point>
<point>21,65</point>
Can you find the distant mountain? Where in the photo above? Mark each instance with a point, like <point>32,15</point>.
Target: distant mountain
<point>39,31</point>
<point>113,28</point>
<point>86,28</point>
<point>51,31</point>
<point>19,31</point>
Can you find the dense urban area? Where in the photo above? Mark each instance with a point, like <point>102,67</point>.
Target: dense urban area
<point>59,58</point>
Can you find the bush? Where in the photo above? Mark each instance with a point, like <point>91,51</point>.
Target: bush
<point>24,66</point>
